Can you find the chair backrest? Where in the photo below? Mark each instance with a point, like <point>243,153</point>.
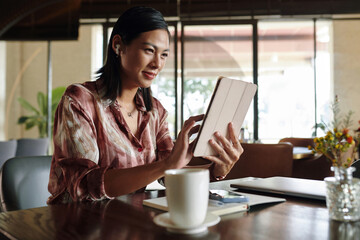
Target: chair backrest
<point>316,167</point>
<point>24,182</point>
<point>299,142</point>
<point>7,150</point>
<point>263,160</point>
<point>32,147</point>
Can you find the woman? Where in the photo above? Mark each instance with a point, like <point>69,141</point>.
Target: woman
<point>111,136</point>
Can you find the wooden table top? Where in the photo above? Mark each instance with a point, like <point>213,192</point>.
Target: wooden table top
<point>302,153</point>
<point>127,218</point>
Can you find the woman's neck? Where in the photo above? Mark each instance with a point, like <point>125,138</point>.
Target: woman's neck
<point>128,109</point>
<point>128,91</point>
<point>126,97</point>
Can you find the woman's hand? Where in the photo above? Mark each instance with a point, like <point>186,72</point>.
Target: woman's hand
<point>182,151</point>
<point>229,152</point>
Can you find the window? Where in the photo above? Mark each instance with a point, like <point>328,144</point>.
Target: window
<point>294,59</point>
<point>96,49</point>
<point>288,105</point>
<point>323,72</point>
<point>286,78</point>
<point>211,51</point>
<point>163,88</point>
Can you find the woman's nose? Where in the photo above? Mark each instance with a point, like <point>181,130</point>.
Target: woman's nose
<point>156,62</point>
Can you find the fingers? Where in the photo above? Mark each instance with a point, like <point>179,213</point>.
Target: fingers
<point>188,125</point>
<point>189,128</point>
<point>182,150</point>
<point>228,150</point>
<point>195,129</point>
<point>224,153</point>
<point>225,148</point>
<point>232,136</point>
<point>214,159</point>
<point>196,118</point>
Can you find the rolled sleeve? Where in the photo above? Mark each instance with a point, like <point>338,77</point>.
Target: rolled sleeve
<point>76,173</point>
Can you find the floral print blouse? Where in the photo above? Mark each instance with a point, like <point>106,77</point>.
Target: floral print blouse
<point>91,136</point>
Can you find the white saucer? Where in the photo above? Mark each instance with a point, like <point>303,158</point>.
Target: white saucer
<point>163,220</point>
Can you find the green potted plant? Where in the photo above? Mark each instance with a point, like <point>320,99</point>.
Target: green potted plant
<point>39,114</point>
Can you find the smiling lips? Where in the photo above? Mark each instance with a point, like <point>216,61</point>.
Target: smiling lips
<point>149,75</point>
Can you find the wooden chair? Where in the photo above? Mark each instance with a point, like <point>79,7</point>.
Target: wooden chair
<point>316,167</point>
<point>299,142</point>
<point>263,160</point>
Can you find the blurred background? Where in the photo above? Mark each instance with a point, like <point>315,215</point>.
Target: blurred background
<point>300,53</point>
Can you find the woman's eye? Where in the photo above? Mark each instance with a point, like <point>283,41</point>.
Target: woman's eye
<point>149,50</point>
<point>165,55</point>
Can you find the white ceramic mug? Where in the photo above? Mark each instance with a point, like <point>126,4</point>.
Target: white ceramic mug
<point>187,194</point>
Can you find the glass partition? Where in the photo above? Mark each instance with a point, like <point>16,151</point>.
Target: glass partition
<point>211,51</point>
<point>286,79</point>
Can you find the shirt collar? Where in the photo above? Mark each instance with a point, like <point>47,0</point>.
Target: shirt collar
<point>139,101</point>
<point>106,102</point>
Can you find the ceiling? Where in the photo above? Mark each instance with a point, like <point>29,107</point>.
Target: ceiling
<point>206,8</point>
<point>59,19</point>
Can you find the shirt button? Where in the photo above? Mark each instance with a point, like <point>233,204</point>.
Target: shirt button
<point>140,149</point>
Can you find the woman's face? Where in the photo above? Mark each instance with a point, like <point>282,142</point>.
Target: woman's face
<point>143,59</point>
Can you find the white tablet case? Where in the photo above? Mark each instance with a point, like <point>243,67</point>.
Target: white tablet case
<point>229,103</point>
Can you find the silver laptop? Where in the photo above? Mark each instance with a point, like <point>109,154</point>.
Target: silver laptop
<point>298,187</point>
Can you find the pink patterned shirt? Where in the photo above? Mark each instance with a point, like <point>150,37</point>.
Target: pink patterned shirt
<point>90,136</point>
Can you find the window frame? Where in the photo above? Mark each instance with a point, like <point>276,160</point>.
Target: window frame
<point>179,87</point>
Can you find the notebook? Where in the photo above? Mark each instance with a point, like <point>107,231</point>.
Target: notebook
<point>229,103</point>
<point>298,187</point>
<point>221,209</point>
<point>214,207</point>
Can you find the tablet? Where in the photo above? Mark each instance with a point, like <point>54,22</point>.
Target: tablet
<point>230,102</point>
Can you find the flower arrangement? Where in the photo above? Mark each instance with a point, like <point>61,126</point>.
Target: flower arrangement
<point>340,144</point>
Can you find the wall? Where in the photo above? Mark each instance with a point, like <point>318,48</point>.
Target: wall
<point>347,66</point>
<point>3,87</point>
<point>26,74</point>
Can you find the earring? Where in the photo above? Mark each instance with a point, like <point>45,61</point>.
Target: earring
<point>117,49</point>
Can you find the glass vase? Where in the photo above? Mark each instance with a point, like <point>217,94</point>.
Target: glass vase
<point>343,195</point>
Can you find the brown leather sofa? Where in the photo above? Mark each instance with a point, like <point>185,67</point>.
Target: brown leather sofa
<point>263,160</point>
<point>316,167</point>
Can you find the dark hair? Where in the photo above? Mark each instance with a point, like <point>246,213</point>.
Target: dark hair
<point>129,26</point>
